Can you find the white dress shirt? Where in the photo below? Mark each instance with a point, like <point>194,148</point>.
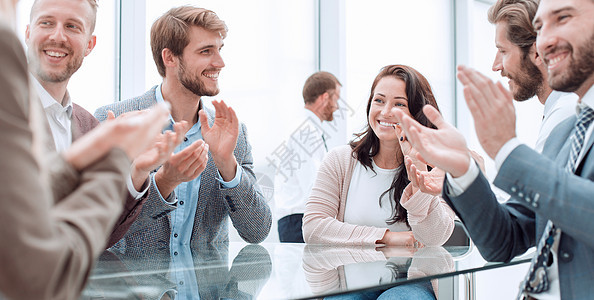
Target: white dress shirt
<point>60,121</point>
<point>558,107</point>
<point>58,116</point>
<point>299,158</point>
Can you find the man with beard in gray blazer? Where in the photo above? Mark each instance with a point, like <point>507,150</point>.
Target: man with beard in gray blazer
<point>552,204</point>
<point>210,177</point>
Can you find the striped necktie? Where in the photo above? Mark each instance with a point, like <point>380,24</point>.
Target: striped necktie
<point>537,280</point>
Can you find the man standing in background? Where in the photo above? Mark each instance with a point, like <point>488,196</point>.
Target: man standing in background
<point>307,147</point>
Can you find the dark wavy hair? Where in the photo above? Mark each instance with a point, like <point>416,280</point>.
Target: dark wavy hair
<point>366,144</point>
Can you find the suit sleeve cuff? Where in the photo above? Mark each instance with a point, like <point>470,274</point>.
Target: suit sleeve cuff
<point>234,182</point>
<point>171,200</point>
<point>133,192</point>
<point>460,184</point>
<point>505,151</point>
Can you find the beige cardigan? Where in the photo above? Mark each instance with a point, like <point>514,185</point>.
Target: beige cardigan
<point>431,219</point>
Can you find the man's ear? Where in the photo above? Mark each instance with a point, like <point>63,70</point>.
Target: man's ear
<point>27,33</point>
<point>534,56</point>
<point>169,60</point>
<point>91,45</point>
<point>325,97</point>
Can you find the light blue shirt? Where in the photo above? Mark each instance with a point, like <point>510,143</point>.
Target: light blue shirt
<point>183,274</point>
<point>182,218</point>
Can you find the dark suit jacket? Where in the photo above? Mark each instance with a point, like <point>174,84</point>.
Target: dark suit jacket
<point>52,226</point>
<point>244,204</point>
<point>541,189</point>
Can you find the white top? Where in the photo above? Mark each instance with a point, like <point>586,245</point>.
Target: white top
<point>297,161</point>
<point>558,107</point>
<point>59,117</point>
<point>362,204</point>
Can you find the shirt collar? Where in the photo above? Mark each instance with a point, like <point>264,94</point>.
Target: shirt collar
<point>48,101</point>
<point>310,115</point>
<point>587,100</point>
<point>553,97</point>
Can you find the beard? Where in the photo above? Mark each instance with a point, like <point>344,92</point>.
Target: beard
<point>579,70</point>
<point>54,76</point>
<point>329,113</point>
<point>529,83</point>
<point>193,83</point>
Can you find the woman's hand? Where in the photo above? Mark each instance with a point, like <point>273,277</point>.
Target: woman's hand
<point>413,163</point>
<point>403,238</point>
<point>428,182</point>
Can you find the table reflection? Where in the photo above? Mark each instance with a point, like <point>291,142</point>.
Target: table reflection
<point>201,273</point>
<point>335,270</point>
<point>274,271</point>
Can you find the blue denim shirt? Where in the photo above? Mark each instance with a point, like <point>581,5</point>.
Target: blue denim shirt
<point>182,218</point>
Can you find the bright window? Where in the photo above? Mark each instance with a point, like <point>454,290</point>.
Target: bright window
<point>415,33</point>
<point>94,84</point>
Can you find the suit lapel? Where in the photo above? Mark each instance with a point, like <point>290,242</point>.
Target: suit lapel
<point>557,145</point>
<point>77,131</point>
<point>560,144</point>
<point>563,155</point>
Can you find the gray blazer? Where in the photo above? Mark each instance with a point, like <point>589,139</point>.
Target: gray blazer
<point>244,204</point>
<point>541,189</point>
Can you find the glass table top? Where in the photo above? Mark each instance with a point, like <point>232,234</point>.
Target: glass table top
<point>272,270</point>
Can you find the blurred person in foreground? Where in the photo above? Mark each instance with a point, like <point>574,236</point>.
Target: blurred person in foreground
<point>57,209</point>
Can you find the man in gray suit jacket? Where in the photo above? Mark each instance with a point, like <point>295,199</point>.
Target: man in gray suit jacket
<point>210,176</point>
<point>543,188</point>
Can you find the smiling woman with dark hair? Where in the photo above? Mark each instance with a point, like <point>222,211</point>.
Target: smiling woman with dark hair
<point>362,194</point>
